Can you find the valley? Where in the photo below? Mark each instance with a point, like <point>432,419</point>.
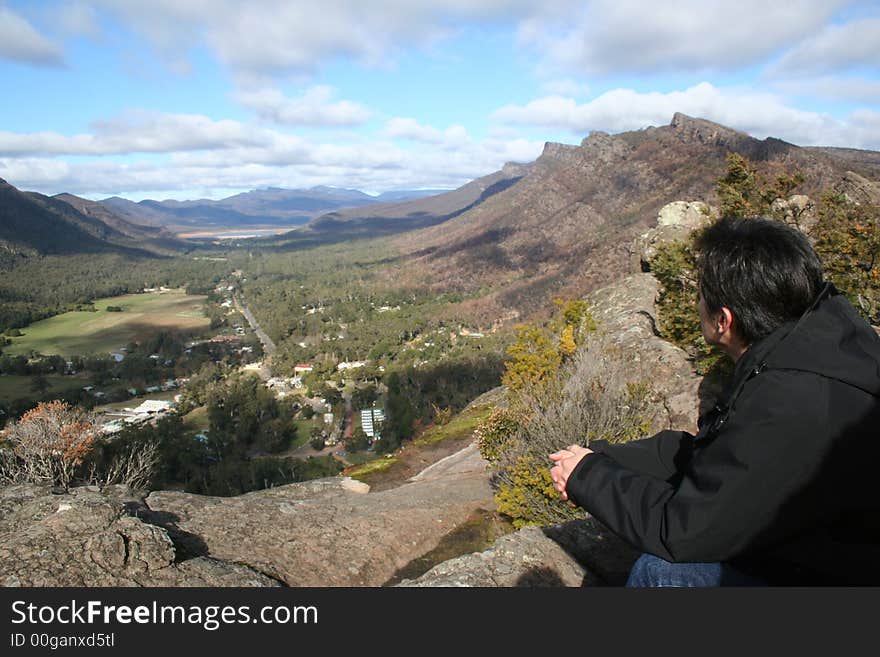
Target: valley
<point>405,306</point>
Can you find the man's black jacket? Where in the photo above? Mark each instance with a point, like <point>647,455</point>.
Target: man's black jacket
<point>782,479</point>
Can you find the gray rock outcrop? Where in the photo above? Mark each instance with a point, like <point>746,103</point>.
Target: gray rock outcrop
<point>327,532</point>
<point>675,221</point>
<point>798,210</point>
<point>626,313</point>
<point>324,533</point>
<point>577,553</point>
<point>89,538</point>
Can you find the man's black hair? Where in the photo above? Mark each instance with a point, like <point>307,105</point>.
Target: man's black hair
<point>764,271</point>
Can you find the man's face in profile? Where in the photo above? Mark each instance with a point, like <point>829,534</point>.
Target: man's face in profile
<point>707,323</point>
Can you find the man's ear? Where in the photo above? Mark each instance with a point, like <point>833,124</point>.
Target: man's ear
<point>724,320</point>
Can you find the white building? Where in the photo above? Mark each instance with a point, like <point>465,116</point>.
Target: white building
<point>371,421</point>
<point>345,365</point>
<point>151,406</point>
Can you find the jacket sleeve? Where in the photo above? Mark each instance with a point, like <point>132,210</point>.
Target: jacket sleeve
<point>660,456</point>
<point>732,495</point>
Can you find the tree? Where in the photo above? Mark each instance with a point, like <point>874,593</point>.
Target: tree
<point>744,192</point>
<point>358,441</point>
<point>848,242</point>
<point>39,383</point>
<point>317,441</point>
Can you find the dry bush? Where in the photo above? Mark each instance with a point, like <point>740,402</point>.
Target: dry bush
<point>134,467</point>
<point>48,444</point>
<point>591,397</point>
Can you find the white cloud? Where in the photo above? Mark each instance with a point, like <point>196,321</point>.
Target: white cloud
<point>608,36</point>
<point>227,157</point>
<point>836,47</point>
<point>263,38</point>
<point>759,114</point>
<point>314,108</point>
<point>134,132</point>
<point>406,128</point>
<point>861,90</point>
<point>77,19</point>
<point>19,41</point>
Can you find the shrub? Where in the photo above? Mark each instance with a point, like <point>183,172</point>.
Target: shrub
<point>674,267</point>
<point>358,441</point>
<point>134,464</point>
<point>538,351</point>
<point>442,415</point>
<point>48,444</point>
<point>848,243</point>
<point>495,433</point>
<point>588,398</point>
<point>317,441</point>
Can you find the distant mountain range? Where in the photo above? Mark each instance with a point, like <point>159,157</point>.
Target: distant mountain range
<point>405,215</point>
<point>262,207</point>
<point>560,225</point>
<point>32,223</point>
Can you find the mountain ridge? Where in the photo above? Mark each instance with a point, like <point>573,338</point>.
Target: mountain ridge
<point>31,223</point>
<point>269,206</point>
<point>566,226</point>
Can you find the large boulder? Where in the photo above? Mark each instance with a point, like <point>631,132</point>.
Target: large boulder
<point>577,553</point>
<point>675,222</point>
<point>328,532</point>
<point>798,210</point>
<point>626,313</point>
<point>87,537</point>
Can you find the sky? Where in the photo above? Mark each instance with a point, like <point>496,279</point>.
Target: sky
<point>184,99</point>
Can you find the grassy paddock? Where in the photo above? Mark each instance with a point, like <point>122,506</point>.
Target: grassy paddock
<point>13,386</point>
<point>101,332</point>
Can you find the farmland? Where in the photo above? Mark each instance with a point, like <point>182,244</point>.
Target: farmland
<point>102,331</point>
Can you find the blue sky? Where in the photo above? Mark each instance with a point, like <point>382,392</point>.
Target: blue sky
<point>206,98</point>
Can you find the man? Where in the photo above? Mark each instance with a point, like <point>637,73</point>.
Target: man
<point>778,486</point>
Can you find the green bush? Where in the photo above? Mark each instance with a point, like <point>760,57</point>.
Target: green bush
<point>848,242</point>
<point>674,267</point>
<point>589,397</point>
<point>495,433</point>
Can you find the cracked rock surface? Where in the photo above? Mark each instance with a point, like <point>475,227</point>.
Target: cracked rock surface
<point>326,533</point>
<point>88,538</point>
<point>577,553</point>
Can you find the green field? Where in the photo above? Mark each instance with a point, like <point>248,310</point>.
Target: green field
<point>18,387</point>
<point>102,332</point>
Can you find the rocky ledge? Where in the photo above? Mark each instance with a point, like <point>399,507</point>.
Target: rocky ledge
<point>328,532</point>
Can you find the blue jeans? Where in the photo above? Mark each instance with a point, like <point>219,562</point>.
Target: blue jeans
<point>651,571</point>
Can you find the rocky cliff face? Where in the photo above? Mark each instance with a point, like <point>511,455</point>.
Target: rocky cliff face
<point>566,226</point>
